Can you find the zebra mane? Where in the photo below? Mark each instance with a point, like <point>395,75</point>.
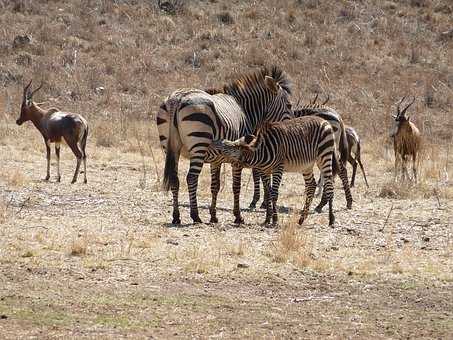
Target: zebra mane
<point>251,80</point>
<point>213,90</point>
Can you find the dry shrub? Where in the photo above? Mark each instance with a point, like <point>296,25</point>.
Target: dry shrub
<point>15,178</point>
<point>292,245</point>
<point>3,211</point>
<point>78,247</point>
<point>105,135</point>
<point>202,259</point>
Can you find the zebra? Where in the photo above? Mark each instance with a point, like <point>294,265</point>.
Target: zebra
<point>194,118</point>
<point>335,120</point>
<point>292,146</point>
<point>354,149</point>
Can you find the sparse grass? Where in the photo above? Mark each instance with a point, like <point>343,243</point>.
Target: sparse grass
<point>78,247</point>
<point>292,245</point>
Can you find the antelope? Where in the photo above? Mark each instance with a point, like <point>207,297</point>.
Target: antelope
<point>354,153</point>
<point>54,125</point>
<point>406,141</point>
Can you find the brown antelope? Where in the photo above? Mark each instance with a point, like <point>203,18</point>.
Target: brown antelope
<point>406,141</point>
<point>354,153</point>
<point>55,125</point>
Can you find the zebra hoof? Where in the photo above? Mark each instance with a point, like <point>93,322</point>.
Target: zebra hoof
<point>349,205</point>
<point>176,220</point>
<point>263,205</point>
<point>252,206</point>
<point>331,221</point>
<point>214,219</point>
<point>239,220</point>
<point>318,209</point>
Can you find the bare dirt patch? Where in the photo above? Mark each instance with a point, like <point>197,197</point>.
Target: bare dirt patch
<point>101,260</point>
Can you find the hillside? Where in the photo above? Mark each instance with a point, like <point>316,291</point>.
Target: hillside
<point>365,54</point>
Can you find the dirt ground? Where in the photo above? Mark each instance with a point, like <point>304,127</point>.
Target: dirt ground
<point>100,260</point>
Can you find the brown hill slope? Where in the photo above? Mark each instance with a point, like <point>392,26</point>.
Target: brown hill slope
<point>365,54</point>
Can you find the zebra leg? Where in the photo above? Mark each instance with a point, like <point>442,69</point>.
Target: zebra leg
<point>256,188</point>
<point>215,187</point>
<point>175,193</point>
<point>343,173</point>
<point>267,188</point>
<point>354,170</point>
<point>310,187</point>
<point>328,188</point>
<point>320,185</point>
<point>276,180</point>
<point>192,183</point>
<point>265,202</point>
<point>237,171</point>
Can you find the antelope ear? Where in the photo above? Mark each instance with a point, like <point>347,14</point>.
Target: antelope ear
<point>271,84</point>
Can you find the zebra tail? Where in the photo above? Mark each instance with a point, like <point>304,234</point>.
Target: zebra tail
<point>343,146</point>
<point>170,173</point>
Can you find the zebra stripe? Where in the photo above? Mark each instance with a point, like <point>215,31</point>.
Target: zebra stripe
<point>190,119</point>
<point>292,146</point>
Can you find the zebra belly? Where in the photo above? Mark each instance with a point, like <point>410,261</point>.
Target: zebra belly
<point>299,167</point>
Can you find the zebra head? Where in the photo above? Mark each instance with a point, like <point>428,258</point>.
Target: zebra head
<point>239,151</point>
<point>279,106</point>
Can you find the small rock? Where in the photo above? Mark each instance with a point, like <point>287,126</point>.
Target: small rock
<point>447,35</point>
<point>99,90</point>
<point>173,242</point>
<point>3,317</point>
<point>21,41</point>
<point>405,240</point>
<point>242,265</point>
<point>334,248</point>
<point>425,239</point>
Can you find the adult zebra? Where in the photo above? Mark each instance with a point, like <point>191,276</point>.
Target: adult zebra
<point>196,118</point>
<point>341,142</point>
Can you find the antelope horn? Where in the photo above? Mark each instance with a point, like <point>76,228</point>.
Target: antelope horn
<point>398,106</point>
<point>313,102</point>
<point>34,91</point>
<point>27,87</point>
<point>412,102</point>
<point>327,99</point>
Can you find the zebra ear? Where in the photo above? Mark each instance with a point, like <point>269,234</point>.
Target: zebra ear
<point>271,84</point>
<point>249,139</point>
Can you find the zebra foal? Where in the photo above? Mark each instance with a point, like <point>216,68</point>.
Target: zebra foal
<point>341,146</point>
<point>294,145</point>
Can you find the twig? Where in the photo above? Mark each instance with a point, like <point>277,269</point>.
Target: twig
<point>387,219</point>
<point>23,204</point>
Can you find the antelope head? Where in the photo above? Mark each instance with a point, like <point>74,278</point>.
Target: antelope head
<point>400,117</point>
<point>27,102</point>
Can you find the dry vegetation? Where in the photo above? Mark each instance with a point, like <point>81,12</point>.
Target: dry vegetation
<point>101,261</point>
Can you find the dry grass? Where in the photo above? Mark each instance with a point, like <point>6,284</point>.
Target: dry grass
<point>79,247</point>
<point>292,245</point>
